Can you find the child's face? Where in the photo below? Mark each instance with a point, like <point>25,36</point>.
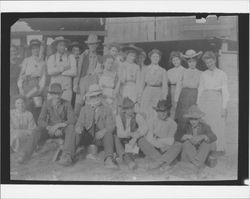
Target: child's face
<point>35,50</point>
<point>108,63</point>
<point>194,121</point>
<point>162,115</point>
<point>76,51</point>
<point>55,98</point>
<point>19,104</point>
<point>176,61</point>
<point>192,63</point>
<point>129,112</point>
<point>94,100</point>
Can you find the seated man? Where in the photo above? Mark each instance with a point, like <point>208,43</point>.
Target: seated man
<point>56,118</point>
<point>196,137</point>
<point>159,144</point>
<point>96,123</point>
<point>130,127</point>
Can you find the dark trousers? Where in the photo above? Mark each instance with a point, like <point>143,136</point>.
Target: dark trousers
<point>40,135</point>
<point>150,151</point>
<point>107,142</point>
<point>195,154</point>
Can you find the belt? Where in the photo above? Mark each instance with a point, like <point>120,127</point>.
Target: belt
<point>159,85</point>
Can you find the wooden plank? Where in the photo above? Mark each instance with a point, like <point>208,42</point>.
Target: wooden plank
<point>58,33</point>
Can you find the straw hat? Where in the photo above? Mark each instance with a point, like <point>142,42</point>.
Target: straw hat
<point>92,39</point>
<point>60,39</point>
<point>189,54</point>
<point>35,42</point>
<point>162,106</point>
<point>55,88</point>
<point>94,90</point>
<point>194,112</point>
<point>127,103</point>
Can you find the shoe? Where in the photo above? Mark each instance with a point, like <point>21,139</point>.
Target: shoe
<point>128,159</point>
<point>110,163</point>
<point>65,160</point>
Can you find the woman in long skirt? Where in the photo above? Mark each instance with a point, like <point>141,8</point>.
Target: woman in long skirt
<point>213,97</point>
<point>174,75</point>
<point>154,85</point>
<point>187,87</point>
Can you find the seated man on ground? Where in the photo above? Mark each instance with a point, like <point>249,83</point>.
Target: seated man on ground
<point>159,144</point>
<point>130,126</point>
<point>197,138</point>
<point>56,119</point>
<point>21,124</point>
<point>96,125</point>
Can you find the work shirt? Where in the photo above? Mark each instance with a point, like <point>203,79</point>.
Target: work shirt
<point>51,115</point>
<point>100,116</point>
<point>161,132</point>
<point>214,80</point>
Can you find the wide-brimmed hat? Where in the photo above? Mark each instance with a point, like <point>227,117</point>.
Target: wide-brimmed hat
<point>162,106</point>
<point>130,47</point>
<point>155,51</point>
<point>55,88</point>
<point>94,90</point>
<point>190,54</point>
<point>60,39</point>
<point>127,103</point>
<point>109,45</point>
<point>35,42</point>
<point>194,112</point>
<point>75,44</point>
<point>92,39</point>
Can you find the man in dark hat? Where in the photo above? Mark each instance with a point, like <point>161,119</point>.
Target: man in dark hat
<point>56,118</point>
<point>159,143</point>
<point>62,67</point>
<point>89,64</point>
<point>197,138</point>
<point>130,126</point>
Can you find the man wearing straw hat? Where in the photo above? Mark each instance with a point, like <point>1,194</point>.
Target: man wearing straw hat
<point>89,64</point>
<point>56,119</point>
<point>197,138</point>
<point>62,67</point>
<point>96,125</point>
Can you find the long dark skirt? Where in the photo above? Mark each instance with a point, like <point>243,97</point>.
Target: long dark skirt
<point>187,98</point>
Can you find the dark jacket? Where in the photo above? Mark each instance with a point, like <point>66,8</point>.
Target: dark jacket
<point>203,129</point>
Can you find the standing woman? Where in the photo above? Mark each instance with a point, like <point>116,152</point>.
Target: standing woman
<point>187,86</point>
<point>113,50</point>
<point>129,75</point>
<point>32,78</point>
<point>213,97</point>
<point>174,74</point>
<point>154,84</point>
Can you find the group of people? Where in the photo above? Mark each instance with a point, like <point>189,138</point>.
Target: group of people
<point>118,103</point>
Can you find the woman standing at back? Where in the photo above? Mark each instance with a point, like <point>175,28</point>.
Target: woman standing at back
<point>187,86</point>
<point>154,84</point>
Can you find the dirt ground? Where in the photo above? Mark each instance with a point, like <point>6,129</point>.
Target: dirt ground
<point>41,166</point>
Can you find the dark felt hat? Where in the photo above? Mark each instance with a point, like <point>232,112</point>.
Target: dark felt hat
<point>55,88</point>
<point>35,42</point>
<point>162,106</point>
<point>127,103</point>
<point>194,112</point>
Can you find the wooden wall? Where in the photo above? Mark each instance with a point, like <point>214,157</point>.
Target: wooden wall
<point>147,29</point>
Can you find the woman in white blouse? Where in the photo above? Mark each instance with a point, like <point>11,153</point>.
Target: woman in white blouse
<point>174,74</point>
<point>154,84</point>
<point>213,96</point>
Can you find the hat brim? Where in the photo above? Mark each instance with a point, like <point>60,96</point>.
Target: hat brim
<point>90,94</point>
<point>54,43</point>
<point>197,55</point>
<point>161,110</point>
